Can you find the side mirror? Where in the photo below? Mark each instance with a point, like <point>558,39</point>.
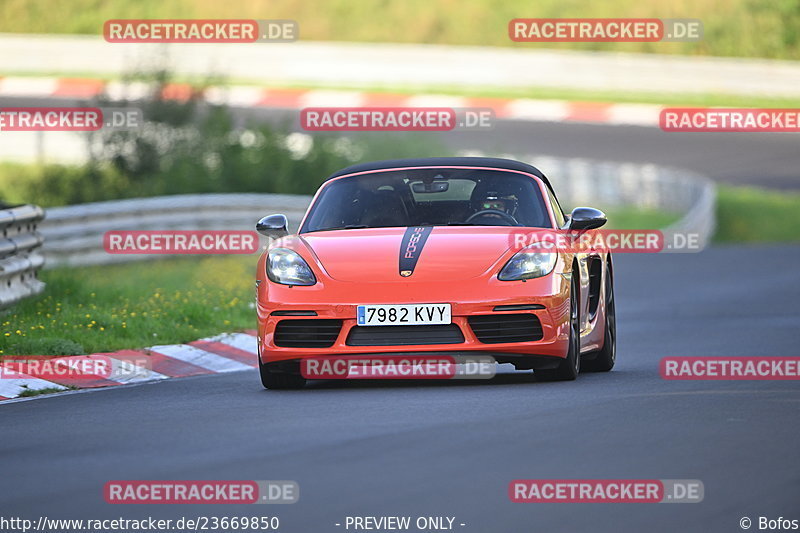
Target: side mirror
<point>273,226</point>
<point>586,218</point>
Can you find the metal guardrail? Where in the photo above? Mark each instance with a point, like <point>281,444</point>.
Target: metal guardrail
<point>74,234</point>
<point>606,184</point>
<point>20,257</point>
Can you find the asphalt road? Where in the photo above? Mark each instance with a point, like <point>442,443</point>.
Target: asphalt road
<point>761,159</point>
<point>451,449</point>
<point>757,159</point>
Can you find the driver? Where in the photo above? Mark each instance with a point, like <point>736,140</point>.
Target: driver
<point>497,202</point>
<point>490,203</point>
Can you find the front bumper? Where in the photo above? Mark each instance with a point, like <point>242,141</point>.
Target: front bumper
<point>337,301</point>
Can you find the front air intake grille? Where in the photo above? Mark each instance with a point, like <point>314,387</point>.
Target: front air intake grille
<point>307,333</point>
<point>494,329</point>
<point>404,335</point>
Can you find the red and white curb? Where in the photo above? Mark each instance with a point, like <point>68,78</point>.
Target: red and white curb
<point>229,352</point>
<point>250,96</point>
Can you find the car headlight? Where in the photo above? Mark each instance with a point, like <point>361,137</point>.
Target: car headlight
<point>288,268</point>
<point>528,264</point>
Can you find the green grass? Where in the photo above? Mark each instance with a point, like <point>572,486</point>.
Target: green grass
<point>748,214</point>
<point>104,308</point>
<point>27,393</point>
<point>631,218</point>
<point>742,28</point>
<point>744,215</point>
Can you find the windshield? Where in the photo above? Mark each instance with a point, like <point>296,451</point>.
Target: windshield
<point>429,197</point>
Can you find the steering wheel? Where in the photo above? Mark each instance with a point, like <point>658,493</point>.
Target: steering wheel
<point>502,214</point>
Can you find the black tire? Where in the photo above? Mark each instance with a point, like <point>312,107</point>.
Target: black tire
<point>606,357</point>
<point>570,367</point>
<point>279,380</point>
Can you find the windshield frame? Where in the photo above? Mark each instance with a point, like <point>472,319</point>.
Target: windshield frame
<point>542,191</point>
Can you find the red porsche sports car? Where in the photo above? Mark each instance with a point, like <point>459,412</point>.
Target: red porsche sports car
<point>420,257</point>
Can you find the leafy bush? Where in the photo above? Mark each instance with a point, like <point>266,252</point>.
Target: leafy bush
<point>191,146</point>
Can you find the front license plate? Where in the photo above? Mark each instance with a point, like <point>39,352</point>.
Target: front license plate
<point>404,314</point>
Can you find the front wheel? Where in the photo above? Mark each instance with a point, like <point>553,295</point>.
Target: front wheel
<point>607,355</point>
<point>570,367</point>
<point>271,379</point>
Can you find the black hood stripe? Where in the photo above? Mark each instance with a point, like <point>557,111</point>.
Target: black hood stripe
<point>411,247</point>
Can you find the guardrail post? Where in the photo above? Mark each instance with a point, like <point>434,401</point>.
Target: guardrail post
<point>20,257</point>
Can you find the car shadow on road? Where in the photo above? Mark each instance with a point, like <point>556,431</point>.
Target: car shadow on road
<point>504,379</point>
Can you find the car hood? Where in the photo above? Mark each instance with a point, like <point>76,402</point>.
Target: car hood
<point>448,254</point>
